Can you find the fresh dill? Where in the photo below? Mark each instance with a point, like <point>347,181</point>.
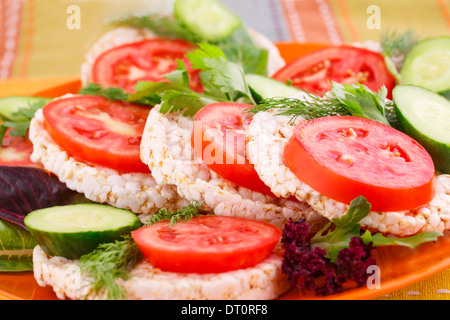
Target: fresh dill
<point>342,100</point>
<point>177,215</point>
<point>161,25</point>
<point>395,43</point>
<point>109,262</point>
<point>310,107</point>
<point>394,47</point>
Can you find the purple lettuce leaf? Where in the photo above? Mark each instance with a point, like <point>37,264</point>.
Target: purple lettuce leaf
<point>25,189</point>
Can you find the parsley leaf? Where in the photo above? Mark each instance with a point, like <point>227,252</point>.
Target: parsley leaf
<point>20,120</point>
<point>94,89</point>
<point>360,101</point>
<point>220,77</point>
<point>337,234</point>
<point>379,240</point>
<point>222,81</point>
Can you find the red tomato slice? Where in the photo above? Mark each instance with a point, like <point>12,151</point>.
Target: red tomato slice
<point>16,151</point>
<point>207,244</point>
<point>219,139</point>
<point>98,130</point>
<point>346,157</point>
<point>150,59</point>
<point>313,72</point>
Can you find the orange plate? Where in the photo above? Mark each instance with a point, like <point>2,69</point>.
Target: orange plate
<point>399,267</point>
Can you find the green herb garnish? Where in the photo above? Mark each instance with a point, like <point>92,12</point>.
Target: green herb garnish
<point>94,89</point>
<point>111,261</point>
<point>337,234</point>
<point>176,216</point>
<point>220,77</point>
<point>395,44</point>
<point>343,100</point>
<point>222,80</point>
<point>161,25</point>
<point>20,120</point>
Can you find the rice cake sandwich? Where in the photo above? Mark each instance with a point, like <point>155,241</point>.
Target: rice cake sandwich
<point>203,257</point>
<point>400,206</point>
<point>92,145</point>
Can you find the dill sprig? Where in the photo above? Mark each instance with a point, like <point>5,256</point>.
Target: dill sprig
<point>310,108</point>
<point>343,100</point>
<point>177,215</point>
<point>114,260</point>
<point>396,44</point>
<point>109,262</point>
<point>161,25</point>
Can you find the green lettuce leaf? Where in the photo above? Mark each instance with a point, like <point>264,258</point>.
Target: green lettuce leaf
<point>16,248</point>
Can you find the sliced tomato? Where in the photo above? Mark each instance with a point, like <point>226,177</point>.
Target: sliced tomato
<point>98,130</point>
<point>207,244</point>
<point>123,66</point>
<point>219,139</point>
<point>314,71</point>
<point>16,151</point>
<point>346,157</point>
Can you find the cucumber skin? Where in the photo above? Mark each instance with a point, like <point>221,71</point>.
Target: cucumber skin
<point>74,245</point>
<point>258,87</point>
<point>439,152</point>
<point>445,94</point>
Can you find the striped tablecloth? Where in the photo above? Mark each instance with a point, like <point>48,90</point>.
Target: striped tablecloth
<point>39,45</point>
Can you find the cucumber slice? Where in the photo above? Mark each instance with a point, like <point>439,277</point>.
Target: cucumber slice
<point>427,64</point>
<point>74,230</point>
<point>264,87</point>
<point>10,105</point>
<point>209,19</point>
<point>425,116</point>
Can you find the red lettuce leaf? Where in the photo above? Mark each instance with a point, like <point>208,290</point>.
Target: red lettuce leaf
<point>25,189</point>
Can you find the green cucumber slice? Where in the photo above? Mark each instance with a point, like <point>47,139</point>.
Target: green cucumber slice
<point>427,64</point>
<point>74,230</point>
<point>209,19</point>
<point>425,116</point>
<point>264,87</point>
<point>10,105</point>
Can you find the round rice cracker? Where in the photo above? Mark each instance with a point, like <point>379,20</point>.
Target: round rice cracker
<point>166,149</point>
<point>123,35</point>
<point>268,135</point>
<point>137,192</point>
<point>264,281</point>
